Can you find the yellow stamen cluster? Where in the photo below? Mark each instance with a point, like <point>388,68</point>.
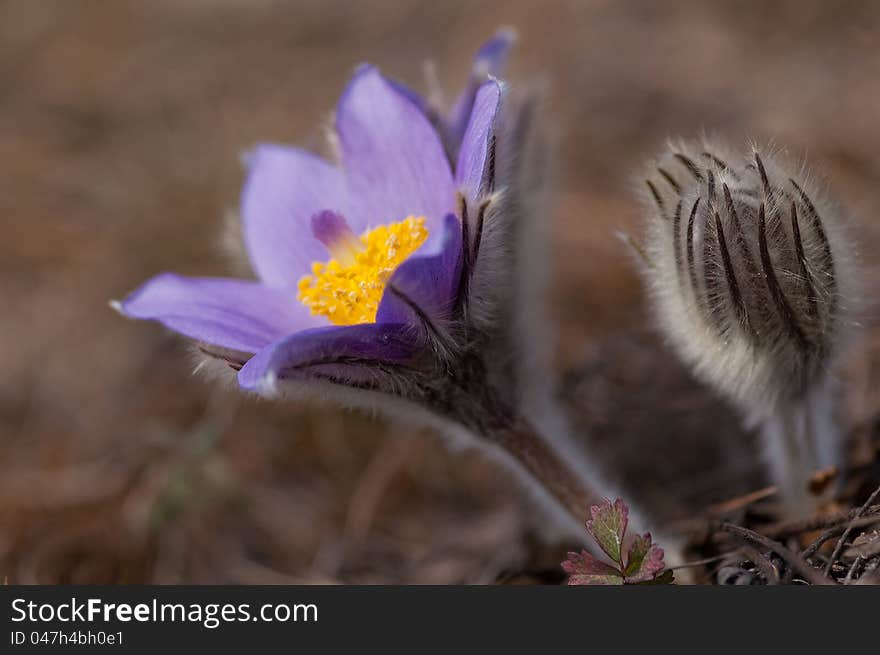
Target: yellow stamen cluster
<point>349,292</point>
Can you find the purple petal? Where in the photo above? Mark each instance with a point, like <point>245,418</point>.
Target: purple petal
<point>412,95</point>
<point>471,168</point>
<point>493,54</point>
<point>394,162</point>
<point>235,314</point>
<point>429,281</point>
<point>490,60</point>
<point>334,350</point>
<point>284,189</point>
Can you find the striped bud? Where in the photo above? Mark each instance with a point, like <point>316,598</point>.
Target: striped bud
<point>752,278</point>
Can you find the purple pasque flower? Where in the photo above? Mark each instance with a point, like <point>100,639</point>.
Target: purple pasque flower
<point>360,265</point>
<point>405,278</point>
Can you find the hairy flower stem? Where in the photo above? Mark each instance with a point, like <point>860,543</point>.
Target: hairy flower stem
<point>531,437</point>
<point>549,460</point>
<point>801,438</point>
<point>532,440</point>
<point>547,466</point>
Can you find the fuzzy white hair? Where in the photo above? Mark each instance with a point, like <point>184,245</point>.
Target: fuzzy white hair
<point>753,278</point>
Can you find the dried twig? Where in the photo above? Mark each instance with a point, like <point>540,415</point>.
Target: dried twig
<point>852,569</point>
<point>764,565</point>
<point>701,562</point>
<point>839,547</point>
<point>831,532</point>
<point>780,530</point>
<point>794,560</point>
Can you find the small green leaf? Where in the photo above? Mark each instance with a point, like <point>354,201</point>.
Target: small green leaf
<point>642,564</point>
<point>584,569</point>
<point>644,560</point>
<point>608,526</point>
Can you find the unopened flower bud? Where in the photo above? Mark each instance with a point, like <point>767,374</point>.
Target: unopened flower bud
<point>752,279</point>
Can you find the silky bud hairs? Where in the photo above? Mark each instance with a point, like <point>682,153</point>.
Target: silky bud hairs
<point>752,278</point>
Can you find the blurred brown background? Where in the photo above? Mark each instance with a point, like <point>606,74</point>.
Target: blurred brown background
<point>121,125</point>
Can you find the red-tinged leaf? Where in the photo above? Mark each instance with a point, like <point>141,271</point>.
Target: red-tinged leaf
<point>608,526</point>
<point>584,569</point>
<point>644,560</point>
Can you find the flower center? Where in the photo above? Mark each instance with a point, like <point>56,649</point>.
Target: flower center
<point>348,288</point>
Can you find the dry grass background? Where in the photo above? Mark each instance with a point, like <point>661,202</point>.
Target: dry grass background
<point>122,124</point>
